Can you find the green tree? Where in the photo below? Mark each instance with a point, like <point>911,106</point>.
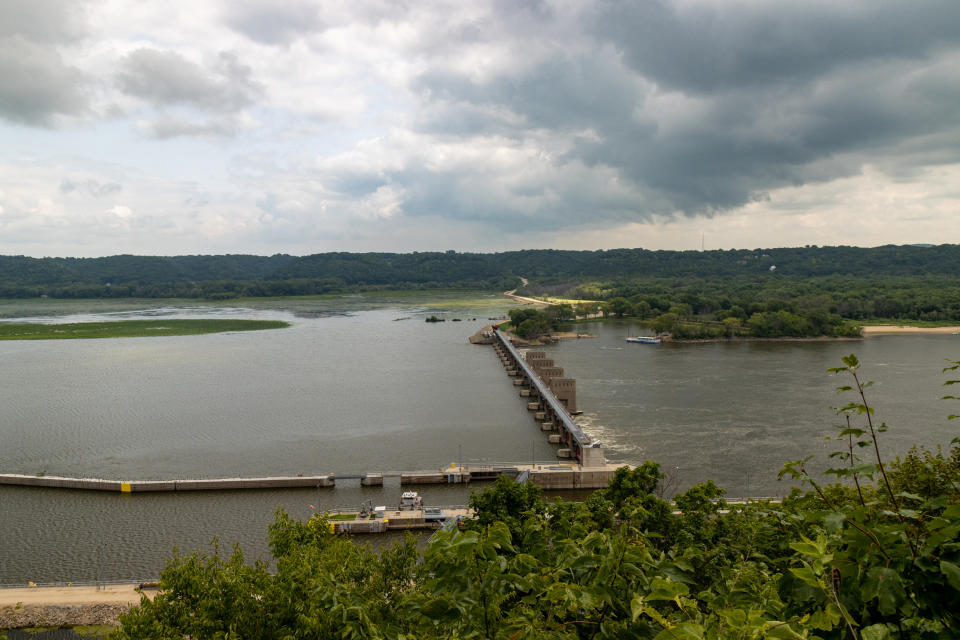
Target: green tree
<point>530,323</point>
<point>509,502</point>
<point>618,307</point>
<point>642,309</point>
<point>665,323</point>
<point>587,308</point>
<point>560,312</point>
<point>731,325</point>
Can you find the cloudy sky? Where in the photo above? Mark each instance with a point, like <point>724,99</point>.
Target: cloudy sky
<point>298,126</point>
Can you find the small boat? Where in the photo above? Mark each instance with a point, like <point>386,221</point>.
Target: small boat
<point>645,340</point>
<point>410,501</point>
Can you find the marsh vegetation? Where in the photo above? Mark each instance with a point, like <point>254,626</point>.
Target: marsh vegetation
<point>132,328</point>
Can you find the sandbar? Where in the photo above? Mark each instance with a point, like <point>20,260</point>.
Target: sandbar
<point>881,329</point>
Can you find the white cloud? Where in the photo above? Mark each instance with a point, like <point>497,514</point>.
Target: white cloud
<point>120,211</point>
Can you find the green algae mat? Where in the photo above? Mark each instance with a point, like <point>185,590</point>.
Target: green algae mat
<point>131,328</point>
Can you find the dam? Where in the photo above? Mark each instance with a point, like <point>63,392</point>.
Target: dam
<point>552,398</point>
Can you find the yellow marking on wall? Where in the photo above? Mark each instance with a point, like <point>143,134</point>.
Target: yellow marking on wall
<point>124,487</point>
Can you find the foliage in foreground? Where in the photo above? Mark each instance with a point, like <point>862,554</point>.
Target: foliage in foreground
<point>874,557</point>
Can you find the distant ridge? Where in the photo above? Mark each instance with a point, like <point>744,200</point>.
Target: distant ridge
<point>281,274</point>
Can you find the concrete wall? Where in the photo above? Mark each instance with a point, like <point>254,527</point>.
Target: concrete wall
<point>565,389</point>
<point>593,457</point>
<point>549,373</point>
<point>572,479</point>
<point>144,486</point>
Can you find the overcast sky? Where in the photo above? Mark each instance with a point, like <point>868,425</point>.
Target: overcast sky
<point>295,126</point>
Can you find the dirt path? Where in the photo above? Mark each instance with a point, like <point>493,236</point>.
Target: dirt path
<point>513,294</point>
<point>60,596</point>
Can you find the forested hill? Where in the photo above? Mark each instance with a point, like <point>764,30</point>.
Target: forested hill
<point>285,275</point>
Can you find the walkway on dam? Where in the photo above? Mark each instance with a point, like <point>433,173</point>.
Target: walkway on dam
<point>546,475</point>
<point>583,447</point>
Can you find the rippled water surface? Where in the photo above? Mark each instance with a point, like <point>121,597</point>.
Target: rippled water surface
<point>350,388</point>
<point>735,412</point>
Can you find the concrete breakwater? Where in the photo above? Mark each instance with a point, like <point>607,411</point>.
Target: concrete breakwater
<point>143,486</point>
<point>546,476</point>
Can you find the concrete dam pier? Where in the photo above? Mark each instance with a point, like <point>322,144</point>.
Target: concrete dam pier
<point>552,398</point>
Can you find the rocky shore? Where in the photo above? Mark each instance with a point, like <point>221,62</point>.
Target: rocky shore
<point>13,617</point>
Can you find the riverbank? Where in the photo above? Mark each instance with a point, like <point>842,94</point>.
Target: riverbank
<point>67,606</point>
<point>756,339</point>
<point>874,330</point>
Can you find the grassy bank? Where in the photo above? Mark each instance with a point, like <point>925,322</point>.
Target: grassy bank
<point>132,328</point>
<point>920,324</point>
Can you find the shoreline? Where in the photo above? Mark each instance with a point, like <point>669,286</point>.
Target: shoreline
<point>63,606</point>
<point>879,329</point>
<point>72,596</point>
<point>752,339</point>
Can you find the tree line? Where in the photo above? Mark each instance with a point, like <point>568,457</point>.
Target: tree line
<point>197,275</point>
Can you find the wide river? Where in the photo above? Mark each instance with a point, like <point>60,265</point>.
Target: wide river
<point>351,387</point>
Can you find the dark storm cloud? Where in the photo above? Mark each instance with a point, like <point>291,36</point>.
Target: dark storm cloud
<point>562,93</point>
<point>712,106</point>
<point>726,46</point>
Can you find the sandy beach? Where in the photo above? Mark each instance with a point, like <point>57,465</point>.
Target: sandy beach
<point>874,330</point>
<point>65,606</point>
<point>60,596</point>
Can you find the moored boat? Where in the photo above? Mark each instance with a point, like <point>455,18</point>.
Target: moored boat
<point>645,340</point>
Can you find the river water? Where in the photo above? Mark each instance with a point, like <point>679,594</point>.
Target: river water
<point>351,387</point>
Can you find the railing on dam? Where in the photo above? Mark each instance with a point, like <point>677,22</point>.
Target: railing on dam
<point>571,427</point>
